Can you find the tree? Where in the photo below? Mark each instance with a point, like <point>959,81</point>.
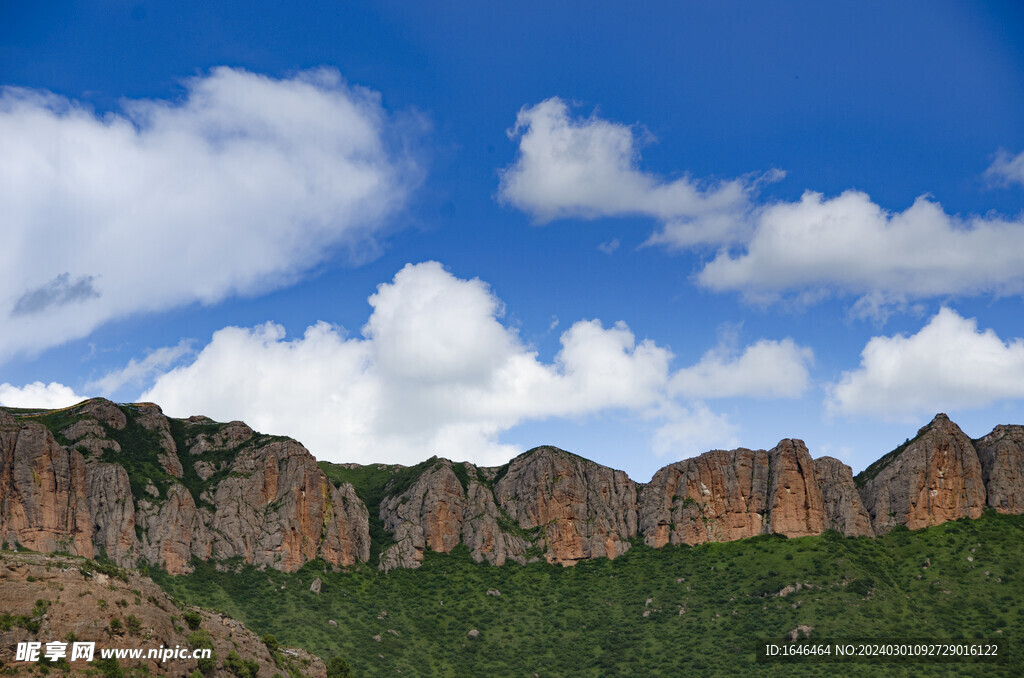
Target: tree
<point>338,668</point>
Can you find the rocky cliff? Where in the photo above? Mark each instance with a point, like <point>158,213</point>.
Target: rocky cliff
<point>721,496</point>
<point>130,484</point>
<point>135,486</point>
<point>843,508</point>
<point>545,503</point>
<point>931,479</point>
<point>1001,453</point>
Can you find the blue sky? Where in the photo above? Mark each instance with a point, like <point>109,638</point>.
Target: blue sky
<point>393,230</point>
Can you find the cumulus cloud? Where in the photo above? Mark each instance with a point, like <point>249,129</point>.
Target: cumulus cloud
<point>765,369</point>
<point>241,186</point>
<point>37,394</point>
<point>694,428</point>
<point>588,168</point>
<point>433,371</point>
<point>1006,168</point>
<point>850,245</point>
<point>949,364</point>
<point>137,372</point>
<point>816,247</point>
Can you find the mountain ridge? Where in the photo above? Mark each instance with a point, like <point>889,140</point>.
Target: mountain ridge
<point>128,483</point>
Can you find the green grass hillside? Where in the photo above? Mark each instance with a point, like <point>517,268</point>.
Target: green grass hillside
<point>668,612</point>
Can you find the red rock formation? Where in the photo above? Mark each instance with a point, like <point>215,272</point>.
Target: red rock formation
<point>1001,453</point>
<point>722,496</point>
<point>582,509</point>
<point>112,510</point>
<point>935,478</point>
<point>428,514</point>
<point>43,494</point>
<point>843,509</point>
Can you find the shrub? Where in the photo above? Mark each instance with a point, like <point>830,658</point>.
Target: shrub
<point>109,667</point>
<point>193,619</point>
<point>338,668</point>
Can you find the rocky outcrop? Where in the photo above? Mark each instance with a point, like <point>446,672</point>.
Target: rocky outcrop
<point>722,496</point>
<point>112,511</point>
<point>843,509</point>
<point>482,531</point>
<point>276,508</point>
<point>226,437</point>
<point>1001,454</point>
<point>561,506</point>
<point>263,499</point>
<point>72,587</point>
<point>796,503</point>
<point>43,494</point>
<point>437,512</point>
<point>428,514</point>
<point>580,508</point>
<point>933,478</point>
<point>173,530</point>
<point>126,482</point>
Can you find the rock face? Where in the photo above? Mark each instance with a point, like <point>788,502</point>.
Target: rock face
<point>935,478</point>
<point>128,483</point>
<point>277,508</point>
<point>72,587</point>
<point>482,531</point>
<point>722,496</point>
<point>120,488</point>
<point>554,503</point>
<point>112,510</point>
<point>1001,454</point>
<point>843,509</point>
<point>43,495</point>
<point>172,530</point>
<point>428,514</point>
<point>579,508</point>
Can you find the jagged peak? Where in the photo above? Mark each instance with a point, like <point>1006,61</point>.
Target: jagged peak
<point>548,451</point>
<point>940,422</point>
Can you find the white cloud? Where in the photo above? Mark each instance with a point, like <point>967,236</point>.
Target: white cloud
<point>1006,168</point>
<point>37,394</point>
<point>588,168</point>
<point>812,248</point>
<point>694,430</point>
<point>137,372</point>
<point>240,187</point>
<point>850,245</point>
<point>949,364</point>
<point>766,369</point>
<point>434,371</point>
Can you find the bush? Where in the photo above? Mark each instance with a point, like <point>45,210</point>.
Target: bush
<point>338,668</point>
<point>193,619</point>
<point>247,668</point>
<point>133,624</point>
<point>109,667</point>
<point>208,664</point>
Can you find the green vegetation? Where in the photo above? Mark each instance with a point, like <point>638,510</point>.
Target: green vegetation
<point>371,483</point>
<point>659,612</point>
<point>140,457</point>
<point>193,619</point>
